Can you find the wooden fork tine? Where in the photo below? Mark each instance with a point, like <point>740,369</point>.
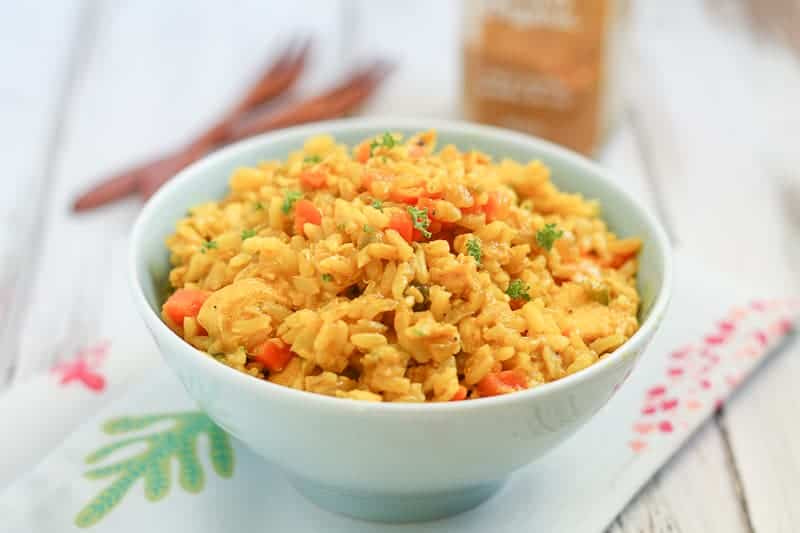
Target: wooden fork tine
<point>337,101</point>
<point>278,77</point>
<point>303,111</point>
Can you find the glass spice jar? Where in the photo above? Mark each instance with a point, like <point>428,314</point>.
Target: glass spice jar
<point>546,67</point>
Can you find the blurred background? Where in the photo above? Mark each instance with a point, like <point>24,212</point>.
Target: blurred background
<point>693,104</point>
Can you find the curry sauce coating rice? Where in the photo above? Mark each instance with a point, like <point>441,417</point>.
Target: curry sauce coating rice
<point>398,273</point>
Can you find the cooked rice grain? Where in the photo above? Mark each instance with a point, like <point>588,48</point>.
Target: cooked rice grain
<point>369,315</point>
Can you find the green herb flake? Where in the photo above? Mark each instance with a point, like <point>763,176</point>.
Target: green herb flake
<point>546,236</point>
<point>368,228</point>
<point>341,227</point>
<point>377,204</point>
<point>312,159</point>
<point>518,290</point>
<point>418,332</point>
<point>420,220</point>
<point>208,245</point>
<point>259,206</point>
<point>474,249</point>
<point>386,141</point>
<point>327,277</point>
<point>247,233</point>
<point>289,200</point>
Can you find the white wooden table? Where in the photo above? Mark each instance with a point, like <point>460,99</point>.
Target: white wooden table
<point>709,137</point>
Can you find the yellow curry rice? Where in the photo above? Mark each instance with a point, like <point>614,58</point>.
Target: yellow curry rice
<point>395,272</point>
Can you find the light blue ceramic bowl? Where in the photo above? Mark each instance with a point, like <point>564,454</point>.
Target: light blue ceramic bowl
<point>396,462</point>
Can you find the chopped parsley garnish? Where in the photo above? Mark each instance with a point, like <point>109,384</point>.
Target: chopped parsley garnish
<point>474,249</point>
<point>368,228</point>
<point>518,290</point>
<point>289,200</point>
<point>208,245</point>
<point>327,277</point>
<point>420,220</point>
<point>247,233</point>
<point>377,204</point>
<point>548,235</point>
<point>340,226</point>
<point>312,159</point>
<point>259,206</point>
<point>386,141</point>
<point>418,332</point>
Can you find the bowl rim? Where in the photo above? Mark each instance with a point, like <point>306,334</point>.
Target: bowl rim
<point>334,128</point>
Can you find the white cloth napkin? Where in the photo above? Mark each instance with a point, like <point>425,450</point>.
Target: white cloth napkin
<point>714,335</point>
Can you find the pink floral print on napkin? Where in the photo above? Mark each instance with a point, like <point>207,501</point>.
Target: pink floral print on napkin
<point>83,368</point>
<point>702,374</point>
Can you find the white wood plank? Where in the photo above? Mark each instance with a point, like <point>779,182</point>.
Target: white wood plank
<point>732,99</point>
<point>156,72</point>
<point>36,52</point>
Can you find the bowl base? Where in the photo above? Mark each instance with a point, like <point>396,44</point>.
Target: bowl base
<point>395,507</point>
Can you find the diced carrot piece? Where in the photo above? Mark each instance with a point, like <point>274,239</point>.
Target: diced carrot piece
<point>304,211</point>
<point>273,354</point>
<point>430,205</point>
<point>313,179</point>
<point>401,222</point>
<point>501,382</point>
<point>619,260</point>
<point>366,181</point>
<point>362,153</point>
<point>472,210</point>
<point>183,303</point>
<point>496,207</point>
<point>461,394</point>
<point>516,303</point>
<point>433,195</point>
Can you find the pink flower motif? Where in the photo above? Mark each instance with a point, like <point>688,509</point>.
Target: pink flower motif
<point>716,339</point>
<point>82,368</point>
<point>657,391</point>
<point>781,327</point>
<point>761,337</point>
<point>670,404</point>
<point>665,426</point>
<point>681,353</point>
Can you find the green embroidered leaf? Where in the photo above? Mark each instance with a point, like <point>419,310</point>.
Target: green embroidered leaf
<point>190,471</point>
<point>105,451</point>
<point>153,464</point>
<point>156,479</point>
<point>102,504</point>
<point>127,424</point>
<point>110,470</point>
<point>221,452</point>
